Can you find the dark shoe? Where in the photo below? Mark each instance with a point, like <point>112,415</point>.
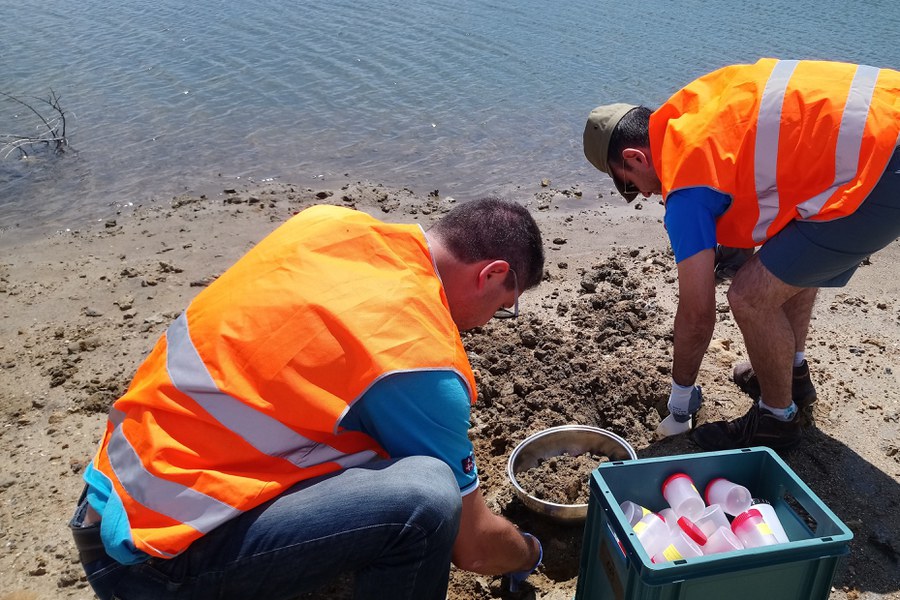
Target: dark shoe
<point>758,427</point>
<point>803,392</point>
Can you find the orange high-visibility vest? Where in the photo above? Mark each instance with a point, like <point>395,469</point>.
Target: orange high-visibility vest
<point>242,397</point>
<point>787,140</point>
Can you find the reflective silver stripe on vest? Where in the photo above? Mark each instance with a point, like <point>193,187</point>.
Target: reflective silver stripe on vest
<point>187,505</point>
<point>765,168</point>
<point>178,502</point>
<point>850,136</point>
<point>190,375</point>
<point>116,416</point>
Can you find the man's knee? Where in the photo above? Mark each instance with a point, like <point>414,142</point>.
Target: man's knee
<point>740,295</point>
<point>432,489</point>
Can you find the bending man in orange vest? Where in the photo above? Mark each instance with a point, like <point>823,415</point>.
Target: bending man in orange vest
<point>308,415</point>
<point>798,157</point>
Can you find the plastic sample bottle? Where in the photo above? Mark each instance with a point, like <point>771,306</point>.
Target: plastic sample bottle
<point>682,496</point>
<point>670,517</point>
<point>752,530</point>
<point>711,519</point>
<point>634,512</point>
<point>652,532</point>
<point>732,497</point>
<point>686,542</point>
<point>722,540</point>
<point>771,518</point>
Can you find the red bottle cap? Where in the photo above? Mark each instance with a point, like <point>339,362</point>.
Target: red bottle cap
<point>692,530</point>
<point>672,478</point>
<point>747,514</point>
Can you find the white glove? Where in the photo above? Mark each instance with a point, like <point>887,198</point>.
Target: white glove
<point>684,402</point>
<point>669,426</point>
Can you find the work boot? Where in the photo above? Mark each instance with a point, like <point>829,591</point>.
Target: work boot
<point>803,392</point>
<point>758,427</point>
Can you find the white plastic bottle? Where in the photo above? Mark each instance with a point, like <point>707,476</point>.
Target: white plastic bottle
<point>722,540</point>
<point>652,532</point>
<point>685,542</point>
<point>682,496</point>
<point>634,512</point>
<point>771,518</point>
<point>752,530</point>
<point>732,497</point>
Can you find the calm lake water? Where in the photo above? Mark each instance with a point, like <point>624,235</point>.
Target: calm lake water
<point>468,97</point>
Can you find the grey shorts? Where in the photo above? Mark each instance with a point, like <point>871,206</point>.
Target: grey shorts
<point>826,254</point>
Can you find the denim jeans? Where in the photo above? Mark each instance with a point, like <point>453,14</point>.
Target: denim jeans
<point>393,523</point>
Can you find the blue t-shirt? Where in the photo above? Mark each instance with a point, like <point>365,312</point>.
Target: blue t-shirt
<point>690,219</point>
<point>409,414</point>
<point>421,413</point>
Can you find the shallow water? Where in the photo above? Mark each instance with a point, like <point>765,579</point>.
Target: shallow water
<point>465,97</point>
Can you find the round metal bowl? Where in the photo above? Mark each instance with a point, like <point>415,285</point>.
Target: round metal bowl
<point>556,441</point>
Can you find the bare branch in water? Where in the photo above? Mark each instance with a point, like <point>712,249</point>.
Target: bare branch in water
<point>55,124</point>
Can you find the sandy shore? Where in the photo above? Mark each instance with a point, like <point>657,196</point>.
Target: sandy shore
<point>81,309</point>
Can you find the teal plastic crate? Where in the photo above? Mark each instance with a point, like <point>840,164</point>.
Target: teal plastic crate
<point>614,565</point>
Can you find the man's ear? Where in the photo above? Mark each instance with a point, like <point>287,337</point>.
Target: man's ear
<point>635,155</point>
<point>491,270</point>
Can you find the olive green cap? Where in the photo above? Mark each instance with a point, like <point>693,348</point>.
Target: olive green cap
<point>597,133</point>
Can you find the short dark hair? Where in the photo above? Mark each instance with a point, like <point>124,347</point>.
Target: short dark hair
<point>632,131</point>
<point>494,229</point>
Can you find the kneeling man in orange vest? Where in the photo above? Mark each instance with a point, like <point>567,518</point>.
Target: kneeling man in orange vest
<point>307,416</point>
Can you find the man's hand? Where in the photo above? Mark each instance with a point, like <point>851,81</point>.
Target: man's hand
<point>684,402</point>
<point>517,578</point>
<point>489,544</point>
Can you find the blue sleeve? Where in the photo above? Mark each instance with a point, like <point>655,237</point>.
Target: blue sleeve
<point>420,413</point>
<point>690,219</point>
<point>115,530</point>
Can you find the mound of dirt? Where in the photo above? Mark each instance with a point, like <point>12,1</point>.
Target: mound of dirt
<point>598,356</point>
